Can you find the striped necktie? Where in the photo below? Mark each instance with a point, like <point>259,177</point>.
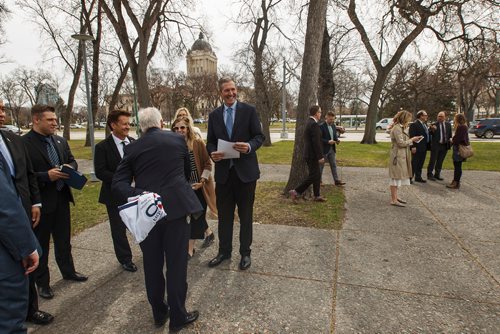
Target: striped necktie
<point>229,121</point>
<point>54,159</point>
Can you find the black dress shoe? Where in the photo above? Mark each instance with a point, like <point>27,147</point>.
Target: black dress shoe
<point>218,260</point>
<point>420,180</point>
<point>339,183</point>
<point>430,177</point>
<point>40,318</point>
<point>245,262</point>
<point>209,239</point>
<point>129,266</point>
<point>191,317</point>
<point>76,277</point>
<point>45,292</point>
<point>161,322</point>
<point>437,177</point>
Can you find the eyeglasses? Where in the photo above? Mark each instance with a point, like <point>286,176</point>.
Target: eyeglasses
<point>177,128</point>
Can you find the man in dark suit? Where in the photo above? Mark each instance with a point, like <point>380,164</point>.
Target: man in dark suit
<point>419,149</point>
<point>313,154</point>
<point>236,179</point>
<point>47,152</point>
<point>108,154</point>
<point>14,152</point>
<point>330,140</point>
<point>18,255</point>
<point>440,144</point>
<point>159,162</point>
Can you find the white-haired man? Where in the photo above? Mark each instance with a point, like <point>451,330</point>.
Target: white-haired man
<point>159,162</point>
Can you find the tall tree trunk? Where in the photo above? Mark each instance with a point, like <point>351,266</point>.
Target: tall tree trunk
<point>316,21</point>
<point>72,91</point>
<point>371,115</point>
<point>262,99</point>
<point>326,89</point>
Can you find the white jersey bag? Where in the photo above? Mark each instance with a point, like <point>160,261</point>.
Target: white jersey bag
<point>141,213</point>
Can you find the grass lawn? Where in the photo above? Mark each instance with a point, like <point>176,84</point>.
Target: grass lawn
<point>272,207</point>
<point>486,155</point>
<point>79,150</point>
<point>87,211</point>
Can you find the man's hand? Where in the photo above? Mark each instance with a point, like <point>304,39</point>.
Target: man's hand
<point>241,147</point>
<point>30,263</point>
<point>321,161</point>
<point>196,186</point>
<point>55,174</point>
<point>413,150</point>
<point>217,156</point>
<point>331,142</point>
<point>35,216</point>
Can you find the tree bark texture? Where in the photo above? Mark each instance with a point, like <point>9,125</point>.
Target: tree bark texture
<point>316,21</point>
<point>326,85</point>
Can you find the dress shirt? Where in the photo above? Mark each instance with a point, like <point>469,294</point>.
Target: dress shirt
<point>119,145</point>
<point>7,156</point>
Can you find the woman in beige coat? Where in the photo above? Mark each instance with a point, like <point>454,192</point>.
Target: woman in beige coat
<point>400,160</point>
<point>201,181</point>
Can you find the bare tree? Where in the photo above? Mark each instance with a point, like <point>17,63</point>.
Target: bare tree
<point>326,84</point>
<point>14,96</point>
<point>32,80</point>
<point>403,21</point>
<point>316,20</point>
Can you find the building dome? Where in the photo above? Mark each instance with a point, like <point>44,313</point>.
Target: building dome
<point>201,44</point>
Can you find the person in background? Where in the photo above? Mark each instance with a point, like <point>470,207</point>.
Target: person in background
<point>184,112</point>
<point>419,149</point>
<point>201,181</point>
<point>400,158</point>
<point>440,144</point>
<point>13,149</point>
<point>108,154</point>
<point>48,152</point>
<point>461,137</point>
<point>313,154</point>
<point>330,141</point>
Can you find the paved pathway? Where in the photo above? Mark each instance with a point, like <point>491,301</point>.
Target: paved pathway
<point>430,267</point>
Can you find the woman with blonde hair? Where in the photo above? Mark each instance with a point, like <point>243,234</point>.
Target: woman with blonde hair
<point>461,137</point>
<point>400,159</point>
<point>201,181</point>
<point>184,112</point>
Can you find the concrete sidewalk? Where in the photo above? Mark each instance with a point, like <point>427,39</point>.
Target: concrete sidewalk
<point>430,267</point>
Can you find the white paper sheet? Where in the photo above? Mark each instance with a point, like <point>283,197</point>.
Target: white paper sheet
<point>227,148</point>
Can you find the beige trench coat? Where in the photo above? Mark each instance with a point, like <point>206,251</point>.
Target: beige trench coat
<point>400,161</point>
<point>204,167</point>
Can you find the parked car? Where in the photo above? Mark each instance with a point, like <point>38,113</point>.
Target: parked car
<point>383,123</point>
<point>486,128</point>
<point>12,128</point>
<point>199,121</point>
<point>76,126</point>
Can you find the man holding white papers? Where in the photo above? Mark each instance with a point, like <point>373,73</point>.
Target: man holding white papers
<point>235,178</point>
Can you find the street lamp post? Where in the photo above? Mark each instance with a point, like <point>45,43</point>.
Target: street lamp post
<point>90,119</point>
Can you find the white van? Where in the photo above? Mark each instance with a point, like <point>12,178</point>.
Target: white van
<point>383,124</point>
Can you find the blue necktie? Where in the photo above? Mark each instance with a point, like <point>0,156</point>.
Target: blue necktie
<point>54,159</point>
<point>229,121</point>
<point>7,157</point>
<point>4,166</point>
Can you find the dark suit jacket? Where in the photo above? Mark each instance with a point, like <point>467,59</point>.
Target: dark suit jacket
<point>417,129</point>
<point>39,156</point>
<point>158,162</point>
<point>16,236</point>
<point>106,161</point>
<point>436,134</point>
<point>313,147</point>
<point>325,137</point>
<point>246,128</point>
<point>25,180</point>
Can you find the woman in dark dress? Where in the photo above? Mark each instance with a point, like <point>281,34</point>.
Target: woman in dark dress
<point>201,181</point>
<point>461,137</point>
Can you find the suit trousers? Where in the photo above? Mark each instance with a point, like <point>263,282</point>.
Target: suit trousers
<point>314,178</point>
<point>13,302</point>
<point>57,223</point>
<point>229,195</point>
<point>32,296</point>
<point>167,243</point>
<point>332,161</point>
<point>417,162</point>
<point>119,235</point>
<point>438,153</point>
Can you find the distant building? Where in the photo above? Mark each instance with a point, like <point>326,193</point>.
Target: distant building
<point>200,59</point>
<point>46,94</point>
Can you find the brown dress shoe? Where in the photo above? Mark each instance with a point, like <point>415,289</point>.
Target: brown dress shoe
<point>319,199</point>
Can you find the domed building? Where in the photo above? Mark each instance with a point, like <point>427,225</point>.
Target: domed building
<point>200,59</point>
